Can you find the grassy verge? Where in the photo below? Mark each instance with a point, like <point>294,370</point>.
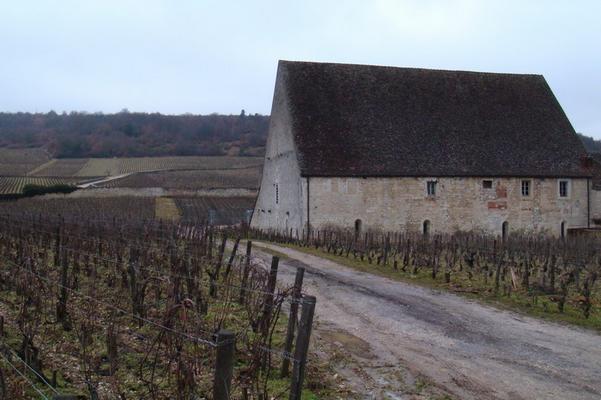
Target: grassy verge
<point>531,303</point>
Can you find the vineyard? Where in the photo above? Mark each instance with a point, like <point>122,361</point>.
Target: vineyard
<point>548,277</point>
<point>66,167</point>
<point>129,308</point>
<point>15,184</point>
<point>216,210</point>
<point>117,166</point>
<point>14,162</point>
<point>88,208</point>
<point>193,210</point>
<point>247,178</point>
<point>35,162</point>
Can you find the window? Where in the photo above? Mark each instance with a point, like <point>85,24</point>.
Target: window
<point>525,188</point>
<point>277,193</point>
<point>358,224</point>
<point>431,188</point>
<point>426,228</point>
<point>505,230</point>
<point>487,184</point>
<point>564,188</point>
<point>563,230</point>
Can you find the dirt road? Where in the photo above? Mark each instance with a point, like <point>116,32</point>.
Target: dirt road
<point>396,332</point>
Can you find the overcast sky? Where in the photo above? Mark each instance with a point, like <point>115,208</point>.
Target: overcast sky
<point>219,56</point>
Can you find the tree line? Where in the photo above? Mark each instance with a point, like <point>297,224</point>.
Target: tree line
<point>127,134</point>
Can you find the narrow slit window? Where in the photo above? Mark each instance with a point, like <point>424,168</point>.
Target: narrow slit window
<point>426,228</point>
<point>277,193</point>
<point>431,188</point>
<point>525,188</point>
<point>564,188</point>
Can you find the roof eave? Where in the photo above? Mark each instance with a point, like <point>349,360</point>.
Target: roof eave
<point>535,176</point>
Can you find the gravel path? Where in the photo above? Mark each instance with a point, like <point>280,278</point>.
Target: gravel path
<point>469,350</point>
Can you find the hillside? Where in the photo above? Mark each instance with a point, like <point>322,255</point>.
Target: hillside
<point>125,134</point>
<point>590,144</point>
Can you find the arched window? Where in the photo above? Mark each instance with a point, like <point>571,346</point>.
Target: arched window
<point>426,228</point>
<point>505,230</point>
<point>563,229</point>
<point>358,226</point>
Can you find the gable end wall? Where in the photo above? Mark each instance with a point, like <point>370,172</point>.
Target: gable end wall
<point>281,168</point>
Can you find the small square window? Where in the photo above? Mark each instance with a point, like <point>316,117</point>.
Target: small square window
<point>564,188</point>
<point>431,188</point>
<point>525,188</point>
<point>487,184</point>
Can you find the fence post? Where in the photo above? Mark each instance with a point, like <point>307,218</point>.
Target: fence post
<point>245,273</point>
<point>273,275</point>
<point>296,295</point>
<point>215,274</point>
<point>232,257</point>
<point>302,347</point>
<point>224,365</point>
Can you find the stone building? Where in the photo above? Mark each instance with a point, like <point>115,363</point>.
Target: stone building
<point>595,193</point>
<point>360,146</point>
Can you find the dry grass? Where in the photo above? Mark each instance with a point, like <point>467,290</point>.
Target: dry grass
<point>166,209</point>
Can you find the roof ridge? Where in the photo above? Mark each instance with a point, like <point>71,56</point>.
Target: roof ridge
<point>283,62</point>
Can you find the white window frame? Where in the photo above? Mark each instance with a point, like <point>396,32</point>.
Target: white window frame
<point>568,188</point>
<point>434,184</point>
<point>528,183</point>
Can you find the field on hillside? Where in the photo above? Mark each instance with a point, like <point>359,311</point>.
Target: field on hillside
<point>246,178</point>
<point>118,166</point>
<point>16,162</point>
<point>35,162</point>
<point>19,167</point>
<point>64,167</point>
<point>15,184</point>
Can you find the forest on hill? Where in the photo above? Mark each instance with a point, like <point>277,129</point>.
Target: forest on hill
<point>127,134</point>
<point>591,144</point>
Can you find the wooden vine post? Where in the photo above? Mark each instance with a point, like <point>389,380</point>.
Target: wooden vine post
<point>296,296</point>
<point>215,274</point>
<point>224,365</point>
<point>302,347</point>
<point>232,257</point>
<point>245,273</point>
<point>273,275</point>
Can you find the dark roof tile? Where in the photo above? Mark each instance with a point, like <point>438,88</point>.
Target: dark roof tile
<point>364,120</point>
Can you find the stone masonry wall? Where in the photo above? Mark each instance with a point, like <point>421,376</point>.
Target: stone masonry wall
<point>595,208</point>
<point>459,204</point>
